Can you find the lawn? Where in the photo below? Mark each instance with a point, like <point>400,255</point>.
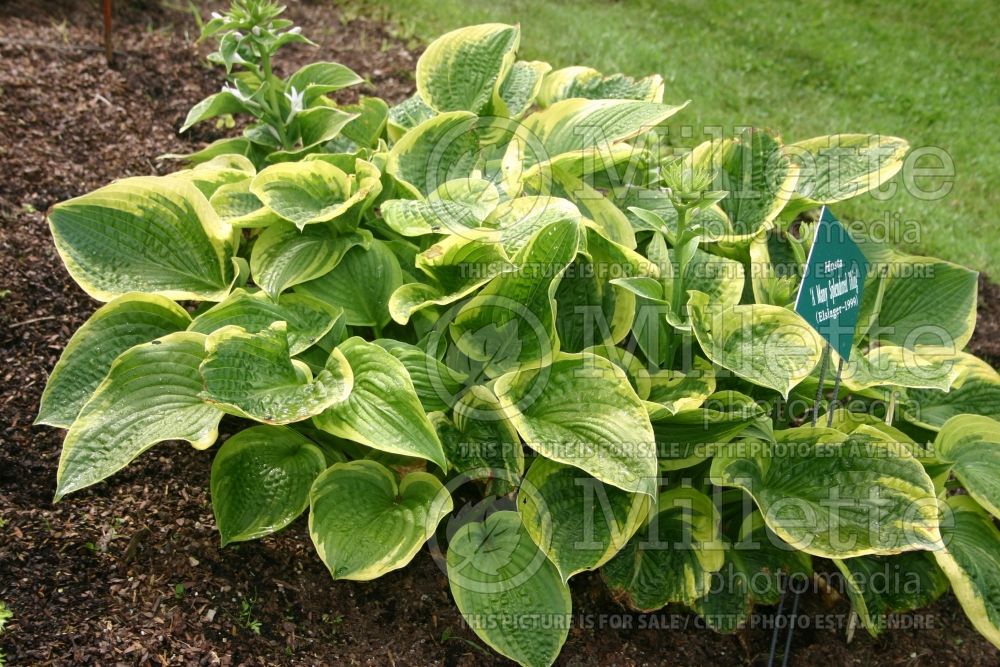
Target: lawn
<point>916,70</point>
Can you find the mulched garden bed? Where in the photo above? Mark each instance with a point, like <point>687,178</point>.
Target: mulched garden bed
<point>131,572</point>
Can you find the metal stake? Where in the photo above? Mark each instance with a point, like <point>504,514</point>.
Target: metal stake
<point>822,378</point>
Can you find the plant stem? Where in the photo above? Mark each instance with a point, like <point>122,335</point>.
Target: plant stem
<point>677,287</point>
<point>272,99</point>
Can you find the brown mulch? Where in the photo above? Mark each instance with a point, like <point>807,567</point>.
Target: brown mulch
<point>130,572</point>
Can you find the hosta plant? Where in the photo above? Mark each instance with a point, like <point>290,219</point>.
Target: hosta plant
<point>512,291</point>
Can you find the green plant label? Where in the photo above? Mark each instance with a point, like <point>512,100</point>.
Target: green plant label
<point>829,297</point>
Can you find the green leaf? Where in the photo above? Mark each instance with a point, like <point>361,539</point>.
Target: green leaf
<point>976,391</point>
<point>835,497</point>
<point>689,437</point>
<point>145,234</point>
<point>455,207</point>
<point>522,85</point>
<point>363,524</point>
<point>238,207</point>
<point>509,593</point>
<point>842,166</point>
<point>760,178</point>
<point>510,323</point>
<point>218,104</point>
<point>260,481</point>
<point>308,319</point>
<point>369,126</point>
<point>361,284</point>
<point>383,410</point>
<point>971,445</point>
<point>127,321</point>
<point>971,561</point>
<point>462,70</point>
<point>672,559</point>
<point>454,268</point>
<point>579,127</point>
<point>570,82</point>
<point>582,411</point>
<point>149,395</point>
<point>437,385</point>
<point>305,192</point>
<point>440,149</point>
<point>320,78</point>
<point>481,443</point>
<point>882,585</point>
<point>591,311</point>
<point>769,346</point>
<point>887,365</point>
<point>578,522</point>
<point>284,255</point>
<point>315,126</point>
<point>521,218</point>
<point>934,304</point>
<point>682,390</point>
<point>253,375</point>
<point>407,115</point>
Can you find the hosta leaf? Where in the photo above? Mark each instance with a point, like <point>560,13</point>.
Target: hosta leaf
<point>509,593</point>
<point>437,386</point>
<point>689,437</point>
<point>320,78</point>
<point>315,126</point>
<point>304,192</point>
<point>581,127</point>
<point>511,321</point>
<point>770,346</point>
<point>582,411</point>
<point>364,524</point>
<point>835,499</point>
<point>760,179</point>
<point>407,115</point>
<point>971,561</point>
<point>682,389</point>
<point>882,585</point>
<point>121,324</point>
<point>577,521</point>
<point>361,284</point>
<point>252,375</point>
<point>481,443</point>
<point>220,171</point>
<point>383,410</point>
<point>976,391</point>
<point>463,69</point>
<point>455,267</point>
<point>971,445</point>
<point>521,218</point>
<point>455,207</point>
<point>260,481</point>
<point>522,85</point>
<point>218,104</point>
<point>238,207</point>
<point>841,166</point>
<point>591,311</point>
<point>935,305</point>
<point>570,82</point>
<point>149,395</point>
<point>145,234</point>
<point>885,365</point>
<point>672,559</point>
<point>308,319</point>
<point>369,126</point>
<point>284,255</point>
<point>436,151</point>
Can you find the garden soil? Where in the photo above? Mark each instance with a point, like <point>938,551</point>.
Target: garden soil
<point>130,572</point>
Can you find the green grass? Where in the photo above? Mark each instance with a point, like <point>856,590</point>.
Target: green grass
<point>923,70</point>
